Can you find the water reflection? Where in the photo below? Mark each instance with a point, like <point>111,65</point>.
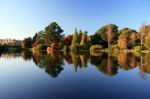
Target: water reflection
<point>26,55</point>
<point>52,63</point>
<point>106,63</point>
<point>10,55</point>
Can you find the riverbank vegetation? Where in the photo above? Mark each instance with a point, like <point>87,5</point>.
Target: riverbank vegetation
<point>107,38</point>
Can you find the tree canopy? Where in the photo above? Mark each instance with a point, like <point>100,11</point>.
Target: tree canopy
<point>52,33</point>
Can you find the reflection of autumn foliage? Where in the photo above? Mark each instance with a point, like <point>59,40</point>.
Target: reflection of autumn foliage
<point>109,34</point>
<point>68,59</point>
<point>75,60</point>
<point>122,58</point>
<point>79,61</point>
<point>109,66</point>
<point>83,60</point>
<point>52,63</point>
<point>106,64</point>
<point>145,67</point>
<point>126,60</point>
<point>133,62</point>
<point>53,67</point>
<point>37,57</point>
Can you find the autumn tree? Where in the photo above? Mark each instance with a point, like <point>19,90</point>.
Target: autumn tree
<point>53,35</point>
<point>68,40</point>
<point>127,38</point>
<point>134,39</point>
<point>122,42</point>
<point>147,37</point>
<point>142,32</point>
<point>108,34</point>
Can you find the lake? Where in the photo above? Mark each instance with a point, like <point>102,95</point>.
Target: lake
<point>74,76</point>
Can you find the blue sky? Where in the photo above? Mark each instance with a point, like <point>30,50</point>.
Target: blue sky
<point>23,18</point>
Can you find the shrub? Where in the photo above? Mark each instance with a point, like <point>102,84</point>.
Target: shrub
<point>95,48</point>
<point>114,47</point>
<point>137,49</point>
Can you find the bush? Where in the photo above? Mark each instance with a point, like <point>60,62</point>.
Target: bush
<point>114,47</point>
<point>137,49</point>
<point>95,48</point>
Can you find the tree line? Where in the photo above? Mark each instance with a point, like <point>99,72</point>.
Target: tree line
<point>108,37</point>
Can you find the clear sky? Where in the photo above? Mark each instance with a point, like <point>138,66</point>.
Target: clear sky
<point>23,18</point>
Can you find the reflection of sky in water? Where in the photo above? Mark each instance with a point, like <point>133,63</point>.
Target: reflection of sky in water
<point>23,79</point>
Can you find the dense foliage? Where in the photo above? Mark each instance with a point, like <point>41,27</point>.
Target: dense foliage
<point>108,36</point>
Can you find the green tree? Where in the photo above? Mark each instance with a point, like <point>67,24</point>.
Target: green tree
<point>75,39</point>
<point>52,34</point>
<point>34,38</point>
<point>109,34</point>
<point>80,35</point>
<point>27,43</point>
<point>75,42</point>
<point>95,39</point>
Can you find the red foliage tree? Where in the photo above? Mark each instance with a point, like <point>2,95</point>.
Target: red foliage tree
<point>68,40</point>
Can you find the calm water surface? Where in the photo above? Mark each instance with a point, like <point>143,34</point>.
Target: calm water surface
<point>56,76</point>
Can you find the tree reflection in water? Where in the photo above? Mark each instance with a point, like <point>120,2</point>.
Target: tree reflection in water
<point>107,63</point>
<point>26,55</point>
<point>52,63</point>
